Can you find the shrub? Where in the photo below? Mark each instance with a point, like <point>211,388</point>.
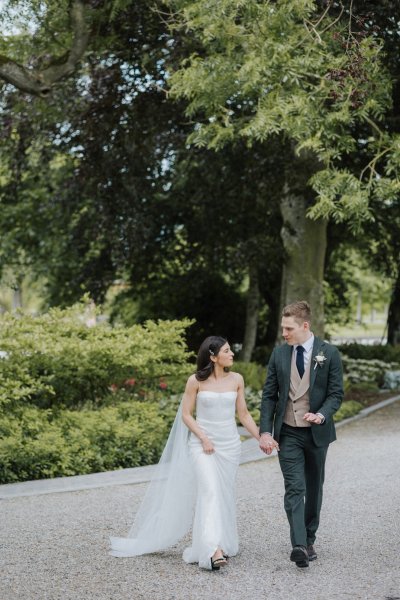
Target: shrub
<point>365,371</point>
<point>253,374</point>
<point>386,353</point>
<point>262,354</point>
<point>348,409</point>
<point>253,401</point>
<point>75,399</point>
<point>38,443</point>
<point>55,359</point>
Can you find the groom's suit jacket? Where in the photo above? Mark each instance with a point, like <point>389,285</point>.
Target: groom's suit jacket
<point>325,393</point>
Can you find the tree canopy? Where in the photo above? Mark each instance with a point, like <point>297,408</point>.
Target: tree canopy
<point>292,68</point>
<point>168,144</point>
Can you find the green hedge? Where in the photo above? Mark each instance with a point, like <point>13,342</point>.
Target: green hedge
<point>349,408</point>
<point>385,353</point>
<point>76,399</point>
<point>253,374</point>
<point>55,359</point>
<point>39,443</point>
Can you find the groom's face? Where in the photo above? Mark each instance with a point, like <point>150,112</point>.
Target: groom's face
<point>294,332</point>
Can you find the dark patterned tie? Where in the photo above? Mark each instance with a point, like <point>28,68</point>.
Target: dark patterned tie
<point>300,360</point>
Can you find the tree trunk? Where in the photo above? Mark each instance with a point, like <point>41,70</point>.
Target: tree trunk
<point>274,319</point>
<point>305,243</point>
<point>252,309</point>
<point>393,321</point>
<point>16,302</point>
<point>359,307</point>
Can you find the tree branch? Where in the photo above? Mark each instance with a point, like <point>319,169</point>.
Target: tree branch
<point>66,66</point>
<point>39,82</point>
<point>22,78</point>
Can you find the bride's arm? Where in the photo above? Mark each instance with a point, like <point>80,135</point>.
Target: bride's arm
<point>244,416</point>
<point>188,404</point>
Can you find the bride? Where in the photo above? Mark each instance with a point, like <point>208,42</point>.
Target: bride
<point>197,470</point>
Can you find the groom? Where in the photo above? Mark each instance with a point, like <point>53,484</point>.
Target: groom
<point>303,390</point>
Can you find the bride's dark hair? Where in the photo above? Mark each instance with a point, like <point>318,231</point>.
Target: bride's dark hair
<point>210,347</point>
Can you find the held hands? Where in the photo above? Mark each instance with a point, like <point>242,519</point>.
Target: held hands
<point>267,443</point>
<point>312,418</point>
<point>208,448</point>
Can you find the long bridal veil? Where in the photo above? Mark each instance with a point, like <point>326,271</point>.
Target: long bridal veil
<point>166,512</point>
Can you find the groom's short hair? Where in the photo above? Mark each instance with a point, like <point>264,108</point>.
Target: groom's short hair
<point>300,311</point>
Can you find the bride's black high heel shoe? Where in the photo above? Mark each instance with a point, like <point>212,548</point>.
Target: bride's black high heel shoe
<point>218,563</point>
<point>213,567</point>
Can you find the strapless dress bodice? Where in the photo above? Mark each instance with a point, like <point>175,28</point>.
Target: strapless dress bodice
<point>215,407</point>
<point>215,414</point>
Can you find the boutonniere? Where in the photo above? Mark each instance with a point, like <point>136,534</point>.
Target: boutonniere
<point>319,360</point>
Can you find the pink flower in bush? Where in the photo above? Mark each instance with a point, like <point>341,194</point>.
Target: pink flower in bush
<point>131,382</point>
<point>163,385</point>
<point>113,387</point>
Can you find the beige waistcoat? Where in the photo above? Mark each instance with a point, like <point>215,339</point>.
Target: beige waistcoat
<point>298,403</point>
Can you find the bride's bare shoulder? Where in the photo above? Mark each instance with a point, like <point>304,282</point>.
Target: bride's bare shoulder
<point>238,377</point>
<point>192,383</point>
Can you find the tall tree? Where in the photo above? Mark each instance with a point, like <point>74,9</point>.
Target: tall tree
<point>93,157</point>
<point>118,195</point>
<point>308,95</point>
<point>326,76</point>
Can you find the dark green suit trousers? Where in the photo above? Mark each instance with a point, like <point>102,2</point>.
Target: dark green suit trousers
<point>303,468</point>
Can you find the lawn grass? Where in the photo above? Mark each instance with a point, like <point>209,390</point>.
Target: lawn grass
<point>357,331</point>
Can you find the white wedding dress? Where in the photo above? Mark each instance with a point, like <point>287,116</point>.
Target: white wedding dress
<point>188,478</point>
<point>215,516</point>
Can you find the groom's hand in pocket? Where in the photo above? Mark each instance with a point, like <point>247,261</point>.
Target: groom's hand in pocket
<point>268,444</point>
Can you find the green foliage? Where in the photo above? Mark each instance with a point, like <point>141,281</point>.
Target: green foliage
<point>264,69</point>
<point>254,379</point>
<point>118,381</point>
<point>253,401</point>
<point>359,370</point>
<point>348,409</point>
<point>89,226</point>
<point>57,360</point>
<point>262,354</point>
<point>348,278</point>
<point>253,374</point>
<point>384,353</point>
<point>37,443</point>
<point>338,192</point>
<point>207,297</point>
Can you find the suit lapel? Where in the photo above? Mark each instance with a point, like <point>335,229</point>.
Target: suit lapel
<point>318,343</point>
<point>286,368</point>
<point>287,359</point>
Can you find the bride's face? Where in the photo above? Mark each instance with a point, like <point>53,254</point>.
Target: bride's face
<point>225,356</point>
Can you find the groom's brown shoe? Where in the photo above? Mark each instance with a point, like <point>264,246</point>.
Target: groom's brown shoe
<point>312,555</point>
<point>299,555</point>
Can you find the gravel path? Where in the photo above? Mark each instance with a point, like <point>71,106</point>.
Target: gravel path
<point>54,547</point>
